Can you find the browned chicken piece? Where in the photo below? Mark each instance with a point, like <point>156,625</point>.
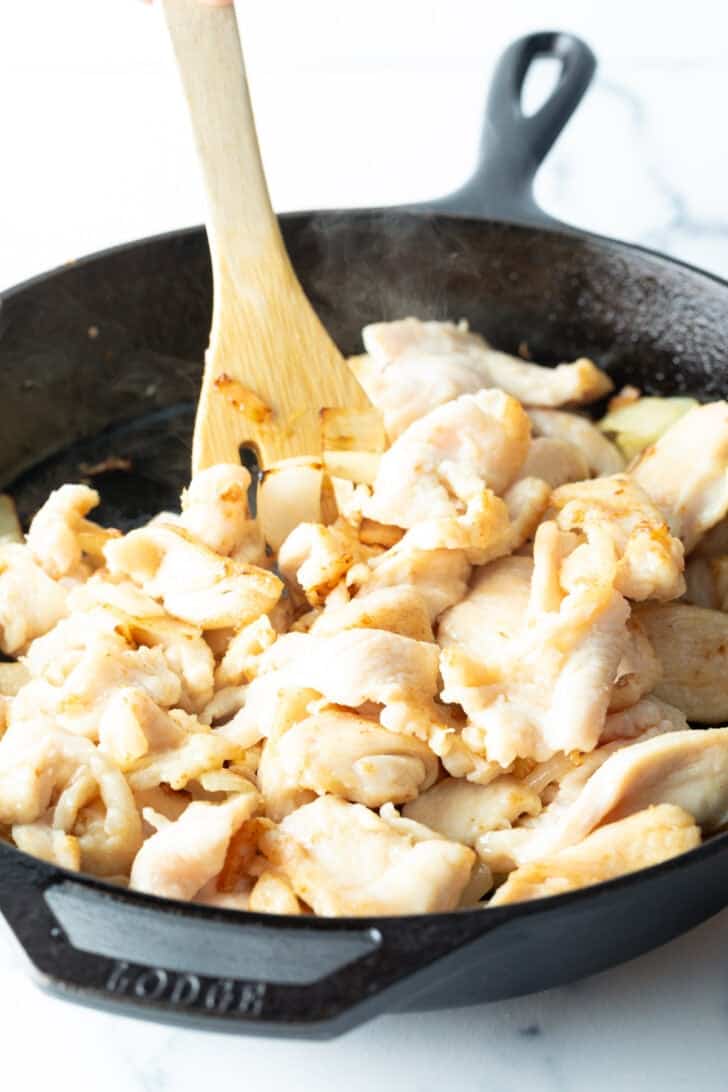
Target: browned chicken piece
<point>341,858</point>
<point>215,511</point>
<point>400,609</point>
<point>439,576</point>
<point>649,561</point>
<point>686,472</point>
<point>60,534</point>
<point>414,366</point>
<point>647,838</point>
<point>191,581</point>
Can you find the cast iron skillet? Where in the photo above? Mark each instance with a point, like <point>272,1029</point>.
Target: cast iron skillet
<point>103,358</point>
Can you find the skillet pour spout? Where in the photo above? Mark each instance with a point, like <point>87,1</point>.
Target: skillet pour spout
<point>486,254</point>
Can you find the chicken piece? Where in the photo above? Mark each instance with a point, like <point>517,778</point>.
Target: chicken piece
<point>648,715</point>
<point>315,558</point>
<point>686,472</point>
<point>273,894</point>
<point>642,840</point>
<point>199,750</point>
<point>399,610</point>
<point>215,511</point>
<point>239,663</point>
<point>691,644</point>
<point>462,811</point>
<point>30,602</point>
<point>555,461</point>
<point>131,725</point>
<point>492,614</point>
<point>639,669</point>
<point>347,755</point>
<point>37,760</point>
<point>341,858</point>
<point>483,530</point>
<point>599,452</point>
<point>414,366</point>
<point>548,689</point>
<point>649,560</point>
<point>707,582</point>
<point>59,534</point>
<point>183,856</point>
<point>439,576</point>
<point>526,502</point>
<point>193,582</point>
<point>445,459</point>
<point>54,846</point>
<point>78,701</point>
<point>371,665</point>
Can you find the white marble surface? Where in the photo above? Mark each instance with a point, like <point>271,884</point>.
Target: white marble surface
<point>367,104</point>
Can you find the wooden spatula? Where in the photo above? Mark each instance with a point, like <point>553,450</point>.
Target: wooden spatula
<point>270,366</point>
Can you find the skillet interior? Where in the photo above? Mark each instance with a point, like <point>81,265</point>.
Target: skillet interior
<point>104,356</point>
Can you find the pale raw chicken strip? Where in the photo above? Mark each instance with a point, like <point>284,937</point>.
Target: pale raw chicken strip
<point>440,462</point>
<point>341,858</point>
<point>347,755</point>
<point>686,472</point>
<point>644,839</point>
<point>649,559</point>
<point>183,856</point>
<point>414,366</point>
<point>600,453</point>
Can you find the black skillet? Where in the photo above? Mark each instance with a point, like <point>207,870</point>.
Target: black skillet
<point>103,358</point>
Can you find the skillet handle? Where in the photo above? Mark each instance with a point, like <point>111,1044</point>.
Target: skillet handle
<point>242,972</point>
<point>512,145</point>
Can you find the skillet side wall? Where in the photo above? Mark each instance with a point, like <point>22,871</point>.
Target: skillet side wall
<point>115,342</point>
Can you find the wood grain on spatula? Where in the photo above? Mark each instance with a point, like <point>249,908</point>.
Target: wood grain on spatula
<point>270,366</point>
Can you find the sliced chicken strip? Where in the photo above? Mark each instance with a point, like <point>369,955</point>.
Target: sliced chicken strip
<point>193,582</point>
<point>649,560</point>
<point>215,511</point>
<point>492,613</point>
<point>555,461</point>
<point>642,840</point>
<point>58,535</point>
<point>183,856</point>
<point>639,669</point>
<point>600,453</point>
<point>346,755</point>
<point>686,472</point>
<point>341,858</point>
<point>707,582</point>
<point>439,576</point>
<point>37,760</point>
<point>478,441</point>
<point>414,366</point>
<point>547,689</point>
<point>399,610</point>
<point>313,558</point>
<point>691,644</point>
<point>30,602</point>
<point>462,811</point>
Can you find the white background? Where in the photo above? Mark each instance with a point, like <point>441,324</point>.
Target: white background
<point>365,104</point>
